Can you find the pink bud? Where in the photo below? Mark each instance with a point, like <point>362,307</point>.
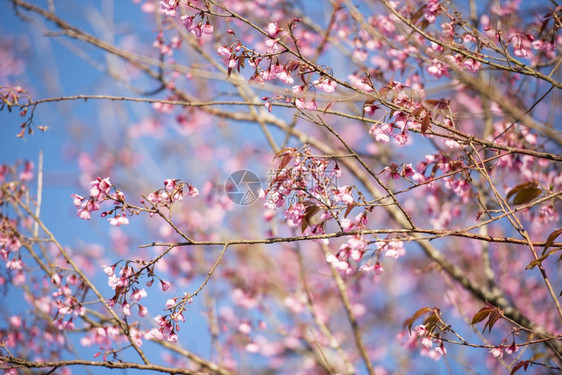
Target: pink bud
<point>165,285</point>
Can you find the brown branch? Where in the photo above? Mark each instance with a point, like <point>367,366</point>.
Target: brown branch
<point>13,362</point>
<point>123,325</point>
<point>357,335</point>
<point>522,68</point>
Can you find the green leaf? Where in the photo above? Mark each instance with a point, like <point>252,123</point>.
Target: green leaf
<point>520,187</point>
<point>537,356</point>
<point>526,195</point>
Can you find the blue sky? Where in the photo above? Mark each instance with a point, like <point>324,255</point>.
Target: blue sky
<point>53,69</point>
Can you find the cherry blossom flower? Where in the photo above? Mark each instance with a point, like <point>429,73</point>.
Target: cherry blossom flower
<point>168,7</point>
<point>437,69</point>
<point>166,285</point>
<point>326,85</point>
<point>496,352</point>
<point>431,9</point>
<point>272,29</point>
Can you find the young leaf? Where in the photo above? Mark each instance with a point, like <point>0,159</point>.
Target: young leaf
<point>491,312</point>
<point>410,321</point>
<point>537,356</point>
<point>481,314</point>
<point>286,159</point>
<point>520,187</point>
<point>308,214</point>
<point>425,124</point>
<point>284,152</point>
<point>330,106</point>
<point>494,317</point>
<point>348,209</point>
<point>524,192</point>
<point>431,321</point>
<point>551,238</point>
<point>539,260</point>
<point>518,366</point>
<point>526,195</point>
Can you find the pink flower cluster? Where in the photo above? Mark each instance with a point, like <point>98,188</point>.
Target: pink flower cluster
<point>171,8</point>
<point>174,191</point>
<point>310,188</point>
<point>67,304</point>
<point>431,347</point>
<point>456,183</point>
<point>9,238</point>
<point>431,10</point>
<point>100,191</point>
<point>12,95</point>
<point>126,289</point>
<point>168,326</point>
<point>352,250</point>
<point>106,337</point>
<point>395,171</point>
<point>234,56</point>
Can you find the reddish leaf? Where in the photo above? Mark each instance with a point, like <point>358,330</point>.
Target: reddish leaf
<point>480,315</point>
<point>518,366</point>
<point>494,317</point>
<point>410,321</point>
<point>384,91</point>
<point>348,209</point>
<point>425,124</point>
<point>283,152</point>
<point>491,312</point>
<point>543,25</point>
<point>424,24</point>
<point>431,321</point>
<point>330,106</point>
<point>308,214</point>
<point>286,159</point>
<point>551,238</point>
